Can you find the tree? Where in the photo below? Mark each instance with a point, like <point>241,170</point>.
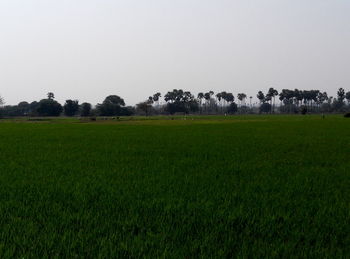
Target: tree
<point>241,97</point>
<point>341,94</point>
<point>33,108</point>
<point>272,93</point>
<point>180,101</point>
<point>111,106</point>
<point>71,107</point>
<point>1,101</point>
<point>49,107</point>
<point>298,95</point>
<point>200,97</point>
<point>229,98</point>
<point>208,99</point>
<point>156,97</point>
<point>50,96</point>
<point>321,98</point>
<point>338,104</point>
<point>85,109</point>
<point>219,96</point>
<point>261,97</point>
<point>144,107</point>
<point>207,96</point>
<point>286,96</point>
<point>23,108</point>
<point>313,96</point>
<point>127,111</point>
<point>347,96</point>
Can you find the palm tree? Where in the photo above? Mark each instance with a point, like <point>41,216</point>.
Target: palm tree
<point>207,97</point>
<point>200,97</point>
<point>219,97</point>
<point>261,97</point>
<point>156,98</point>
<point>272,93</point>
<point>241,97</point>
<point>229,98</point>
<point>298,95</point>
<point>170,96</point>
<point>224,97</point>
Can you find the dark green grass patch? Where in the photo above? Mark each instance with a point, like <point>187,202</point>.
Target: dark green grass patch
<point>274,187</point>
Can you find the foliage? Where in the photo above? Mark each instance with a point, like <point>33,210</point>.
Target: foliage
<point>175,107</point>
<point>265,108</point>
<point>127,111</point>
<point>50,96</point>
<point>339,105</point>
<point>49,107</point>
<point>71,107</point>
<point>232,108</point>
<point>144,108</point>
<point>111,106</point>
<point>85,109</point>
<point>179,101</point>
<point>341,94</point>
<point>303,110</point>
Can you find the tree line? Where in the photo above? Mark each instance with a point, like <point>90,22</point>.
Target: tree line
<point>179,101</point>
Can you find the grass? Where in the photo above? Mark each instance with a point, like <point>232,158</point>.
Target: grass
<point>253,186</point>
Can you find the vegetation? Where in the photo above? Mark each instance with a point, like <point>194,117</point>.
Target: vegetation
<point>49,107</point>
<point>71,107</point>
<point>179,101</point>
<point>213,187</point>
<point>86,109</point>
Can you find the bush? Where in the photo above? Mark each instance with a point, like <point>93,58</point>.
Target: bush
<point>347,115</point>
<point>232,109</point>
<point>265,108</point>
<point>303,110</point>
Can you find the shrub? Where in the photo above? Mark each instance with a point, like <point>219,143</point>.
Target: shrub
<point>232,108</point>
<point>265,108</point>
<point>303,110</point>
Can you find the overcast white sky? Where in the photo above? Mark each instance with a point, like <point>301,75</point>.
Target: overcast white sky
<point>88,49</point>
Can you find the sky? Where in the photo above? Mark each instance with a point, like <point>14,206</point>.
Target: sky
<point>89,49</point>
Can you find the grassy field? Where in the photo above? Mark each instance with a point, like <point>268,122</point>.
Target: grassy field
<point>247,187</point>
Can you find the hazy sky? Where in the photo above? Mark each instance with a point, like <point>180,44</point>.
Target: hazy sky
<point>88,49</point>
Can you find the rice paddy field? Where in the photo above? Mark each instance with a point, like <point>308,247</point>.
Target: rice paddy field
<point>204,187</point>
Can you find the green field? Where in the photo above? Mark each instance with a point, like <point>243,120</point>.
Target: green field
<point>219,187</point>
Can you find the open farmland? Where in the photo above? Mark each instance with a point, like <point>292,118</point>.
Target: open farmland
<point>253,186</point>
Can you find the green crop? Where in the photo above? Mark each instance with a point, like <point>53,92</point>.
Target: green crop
<point>218,187</point>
